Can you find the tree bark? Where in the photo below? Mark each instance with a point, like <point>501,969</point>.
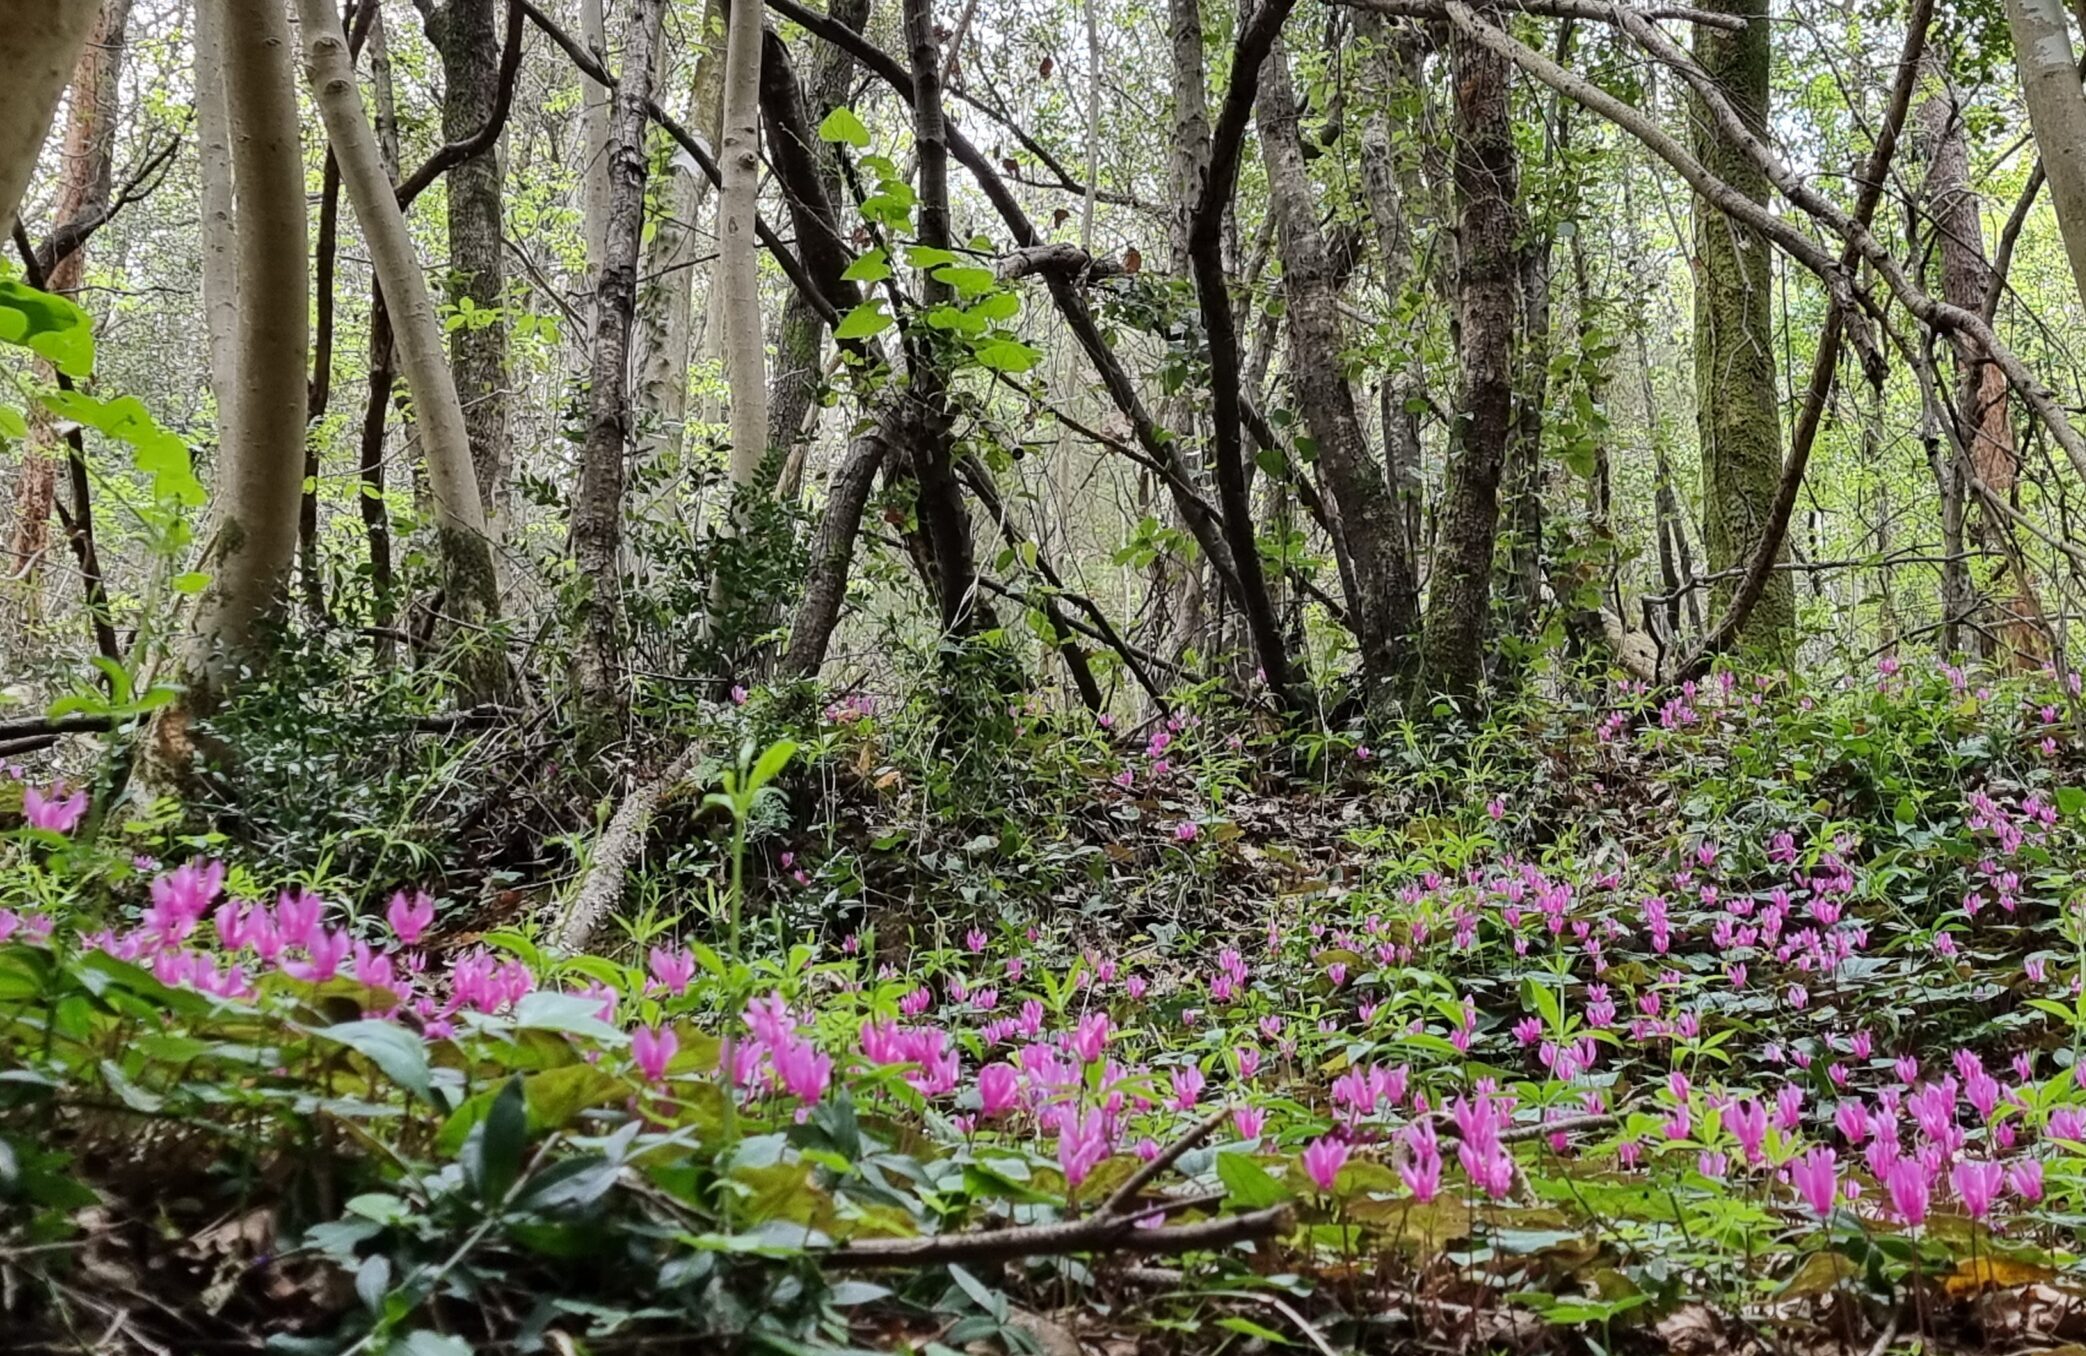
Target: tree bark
<point>1486,175</point>
<point>944,519</point>
<point>1737,406</point>
<point>1213,297</point>
<point>597,509</point>
<point>40,43</point>
<point>2049,71</point>
<point>833,545</point>
<point>794,386</point>
<point>1392,58</point>
<point>261,455</point>
<point>2010,634</point>
<point>738,259</point>
<point>467,34</point>
<point>1361,512</point>
<point>666,290</point>
<point>470,588</point>
<point>86,169</point>
<point>597,103</point>
<point>220,269</point>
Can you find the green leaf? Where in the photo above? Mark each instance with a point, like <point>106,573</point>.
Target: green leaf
<point>1249,1184</point>
<point>864,321</point>
<point>49,326</point>
<point>194,581</point>
<point>391,1048</point>
<point>493,1153</point>
<point>930,256</point>
<point>570,1013</point>
<point>1007,355</point>
<point>873,266</point>
<point>968,280</point>
<point>842,125</point>
<point>772,760</point>
<point>12,423</point>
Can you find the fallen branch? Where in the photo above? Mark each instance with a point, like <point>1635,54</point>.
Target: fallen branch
<point>617,848</point>
<point>1095,1233</point>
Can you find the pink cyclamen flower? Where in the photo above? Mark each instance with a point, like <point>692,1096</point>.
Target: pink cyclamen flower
<point>803,1070</point>
<point>54,811</point>
<point>1977,1183</point>
<point>1187,1087</point>
<point>1909,1183</point>
<point>1187,831</point>
<point>2025,1178</point>
<point>325,950</point>
<point>410,917</point>
<point>974,940</point>
<point>1249,1121</point>
<point>673,971</point>
<point>999,1088</point>
<point>1323,1159</point>
<point>1817,1179</point>
<point>654,1047</point>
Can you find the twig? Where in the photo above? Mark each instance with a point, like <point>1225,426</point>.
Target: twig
<point>1142,1178</point>
<point>1093,1233</point>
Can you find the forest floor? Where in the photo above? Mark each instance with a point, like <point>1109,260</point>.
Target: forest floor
<point>1743,1018</point>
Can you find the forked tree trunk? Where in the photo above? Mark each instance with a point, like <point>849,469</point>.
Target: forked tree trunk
<point>261,420</point>
<point>40,41</point>
<point>1487,182</point>
<point>1361,513</point>
<point>470,589</point>
<point>597,508</point>
<point>86,167</point>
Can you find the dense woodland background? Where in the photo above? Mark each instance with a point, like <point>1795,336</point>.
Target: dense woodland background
<point>885,661</point>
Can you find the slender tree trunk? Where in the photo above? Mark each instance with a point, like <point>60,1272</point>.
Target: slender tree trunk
<point>738,257</point>
<point>220,270</point>
<point>596,110</point>
<point>2049,71</point>
<point>1737,406</point>
<point>944,519</point>
<point>1487,183</point>
<point>470,588</point>
<point>597,510</point>
<point>2011,633</point>
<point>1391,56</point>
<point>467,34</point>
<point>666,289</point>
<point>1361,512</point>
<point>800,345</point>
<point>833,545</point>
<point>40,42</point>
<point>261,455</point>
<point>87,169</point>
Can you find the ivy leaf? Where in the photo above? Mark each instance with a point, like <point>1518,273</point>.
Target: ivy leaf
<point>842,125</point>
<point>864,321</point>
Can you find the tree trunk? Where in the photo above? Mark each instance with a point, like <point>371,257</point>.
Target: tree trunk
<point>596,108</point>
<point>738,257</point>
<point>261,425</point>
<point>470,589</point>
<point>1392,58</point>
<point>40,42</point>
<point>1487,183</point>
<point>2049,71</point>
<point>1737,405</point>
<point>666,293</point>
<point>220,269</point>
<point>1361,512</point>
<point>800,345</point>
<point>833,546</point>
<point>467,34</point>
<point>86,168</point>
<point>944,520</point>
<point>597,508</point>
<point>2010,633</point>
